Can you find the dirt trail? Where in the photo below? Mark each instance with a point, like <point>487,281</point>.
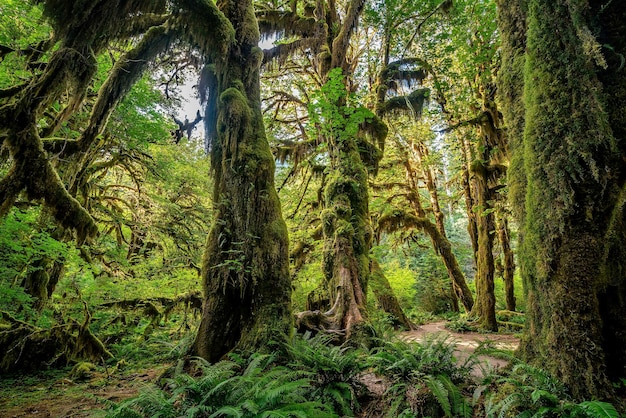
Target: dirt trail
<point>466,343</point>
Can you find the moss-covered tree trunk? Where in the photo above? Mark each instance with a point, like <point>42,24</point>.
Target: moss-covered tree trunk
<point>345,218</point>
<point>246,266</point>
<point>484,309</point>
<point>508,265</point>
<point>573,178</point>
<point>347,235</point>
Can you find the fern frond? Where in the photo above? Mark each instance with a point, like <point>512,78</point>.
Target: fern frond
<point>227,411</point>
<point>597,409</point>
<point>438,389</point>
<point>507,403</point>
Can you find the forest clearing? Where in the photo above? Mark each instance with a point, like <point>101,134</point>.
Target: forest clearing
<point>312,208</point>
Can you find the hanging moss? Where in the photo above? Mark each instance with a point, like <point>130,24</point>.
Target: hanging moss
<point>206,26</point>
<point>411,104</point>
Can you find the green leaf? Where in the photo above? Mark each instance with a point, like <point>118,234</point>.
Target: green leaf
<point>599,409</point>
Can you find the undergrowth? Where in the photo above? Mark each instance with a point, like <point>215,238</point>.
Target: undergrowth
<point>425,379</point>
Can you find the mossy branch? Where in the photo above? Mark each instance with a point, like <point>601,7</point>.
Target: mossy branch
<point>393,72</point>
<point>127,70</point>
<point>341,41</point>
<point>409,104</point>
<point>287,24</point>
<point>280,53</point>
<point>206,26</point>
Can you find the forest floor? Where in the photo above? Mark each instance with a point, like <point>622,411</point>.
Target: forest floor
<point>52,394</point>
<point>466,343</point>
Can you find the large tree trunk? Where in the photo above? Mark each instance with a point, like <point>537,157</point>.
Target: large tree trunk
<point>345,218</point>
<point>347,235</point>
<point>246,266</point>
<point>572,222</point>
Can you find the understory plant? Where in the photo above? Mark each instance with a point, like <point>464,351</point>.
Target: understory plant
<point>425,378</point>
<point>529,392</point>
<point>254,387</point>
<point>334,370</point>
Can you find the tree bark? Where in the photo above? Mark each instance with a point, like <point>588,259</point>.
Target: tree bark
<point>347,235</point>
<point>572,220</point>
<point>246,265</point>
<point>485,305</point>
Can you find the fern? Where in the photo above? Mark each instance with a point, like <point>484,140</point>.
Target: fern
<point>400,360</point>
<point>597,409</point>
<point>245,388</point>
<point>458,403</point>
<point>441,394</point>
<point>334,370</point>
<point>538,394</point>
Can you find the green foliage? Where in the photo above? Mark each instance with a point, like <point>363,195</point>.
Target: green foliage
<point>449,396</point>
<point>334,112</point>
<point>404,361</point>
<point>423,377</point>
<point>460,325</point>
<point>254,387</point>
<point>22,245</point>
<point>529,391</point>
<point>402,281</point>
<point>22,26</point>
<point>334,370</point>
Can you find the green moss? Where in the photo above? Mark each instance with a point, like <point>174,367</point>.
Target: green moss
<point>236,104</point>
<point>569,151</point>
<point>344,229</point>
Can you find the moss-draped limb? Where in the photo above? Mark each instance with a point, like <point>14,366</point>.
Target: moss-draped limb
<point>342,39</point>
<point>396,219</point>
<point>34,173</point>
<point>391,74</point>
<point>82,30</point>
<point>411,103</point>
<point>126,71</point>
<point>206,25</point>
<point>26,347</point>
<point>96,22</point>
<point>286,23</point>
